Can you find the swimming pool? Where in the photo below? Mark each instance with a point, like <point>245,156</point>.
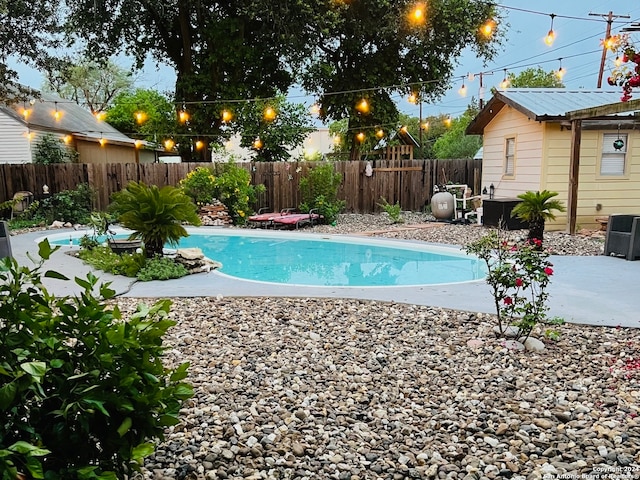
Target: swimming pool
<point>328,260</point>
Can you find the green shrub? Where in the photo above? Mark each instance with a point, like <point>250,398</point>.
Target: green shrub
<point>50,149</point>
<point>102,258</point>
<point>319,191</point>
<point>226,182</point>
<point>72,206</point>
<point>83,392</point>
<point>394,211</point>
<point>154,214</point>
<point>161,268</point>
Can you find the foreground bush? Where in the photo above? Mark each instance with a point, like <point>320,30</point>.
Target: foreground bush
<point>82,391</point>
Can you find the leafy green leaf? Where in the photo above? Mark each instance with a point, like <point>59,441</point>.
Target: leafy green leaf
<point>7,395</point>
<point>35,369</point>
<point>35,467</point>
<point>124,426</point>
<point>141,451</point>
<point>56,275</point>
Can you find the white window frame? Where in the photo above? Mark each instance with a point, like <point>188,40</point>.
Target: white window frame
<point>509,157</point>
<point>613,163</point>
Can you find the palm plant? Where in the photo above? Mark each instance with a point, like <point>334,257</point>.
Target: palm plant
<point>154,214</point>
<point>535,209</point>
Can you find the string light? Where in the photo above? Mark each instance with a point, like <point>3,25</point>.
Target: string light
<point>66,139</point>
<point>404,128</point>
<point>227,116</point>
<point>379,133</point>
<point>199,145</point>
<point>618,61</point>
<point>363,106</point>
<point>57,114</point>
<point>169,144</point>
<point>447,121</point>
<point>257,143</point>
<point>360,137</point>
<point>413,98</point>
<point>561,71</point>
<point>269,114</point>
<point>26,112</point>
<point>551,36</point>
<point>138,143</point>
<point>463,90</point>
<point>102,141</point>
<point>425,126</point>
<point>100,116</point>
<point>418,15</point>
<point>141,117</point>
<point>29,135</point>
<point>471,77</point>
<point>183,116</point>
<point>505,81</point>
<point>314,109</point>
<point>488,27</point>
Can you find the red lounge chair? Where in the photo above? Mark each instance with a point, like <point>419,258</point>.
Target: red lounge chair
<point>297,220</point>
<point>263,220</point>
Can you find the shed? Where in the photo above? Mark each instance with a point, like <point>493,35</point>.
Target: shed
<point>527,145</point>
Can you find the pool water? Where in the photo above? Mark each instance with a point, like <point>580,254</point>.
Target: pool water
<point>315,260</point>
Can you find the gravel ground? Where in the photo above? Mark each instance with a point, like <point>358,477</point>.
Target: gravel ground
<point>348,389</point>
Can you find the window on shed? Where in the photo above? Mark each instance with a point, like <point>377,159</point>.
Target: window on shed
<point>509,156</point>
<point>612,162</point>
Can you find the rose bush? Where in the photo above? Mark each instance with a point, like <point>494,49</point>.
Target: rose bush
<point>627,75</point>
<point>519,275</point>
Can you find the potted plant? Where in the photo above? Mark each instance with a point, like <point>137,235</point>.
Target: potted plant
<point>155,215</point>
<point>535,209</point>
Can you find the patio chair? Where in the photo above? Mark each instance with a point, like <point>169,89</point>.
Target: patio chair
<point>623,236</point>
<point>265,219</point>
<point>297,220</point>
<point>21,202</point>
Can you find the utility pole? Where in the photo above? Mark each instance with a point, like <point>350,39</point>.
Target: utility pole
<point>481,91</point>
<point>610,17</point>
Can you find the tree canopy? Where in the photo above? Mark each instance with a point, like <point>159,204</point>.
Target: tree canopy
<point>88,83</point>
<point>454,143</point>
<point>535,78</point>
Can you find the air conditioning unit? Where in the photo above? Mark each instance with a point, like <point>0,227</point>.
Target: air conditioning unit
<point>5,242</point>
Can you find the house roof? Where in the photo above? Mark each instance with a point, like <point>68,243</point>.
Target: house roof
<point>403,136</point>
<point>73,120</point>
<point>543,104</point>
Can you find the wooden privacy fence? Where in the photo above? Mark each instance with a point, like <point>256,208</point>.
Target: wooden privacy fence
<point>408,182</point>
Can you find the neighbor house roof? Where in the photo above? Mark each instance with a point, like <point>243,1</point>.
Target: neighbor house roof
<point>73,119</point>
<point>543,104</point>
<point>403,136</point>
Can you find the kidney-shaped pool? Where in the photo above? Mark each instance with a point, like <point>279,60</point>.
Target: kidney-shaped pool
<point>326,260</point>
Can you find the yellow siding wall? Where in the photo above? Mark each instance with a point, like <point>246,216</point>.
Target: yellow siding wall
<point>528,155</point>
<point>613,194</point>
<point>91,152</point>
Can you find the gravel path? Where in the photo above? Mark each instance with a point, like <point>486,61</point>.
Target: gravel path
<point>348,389</point>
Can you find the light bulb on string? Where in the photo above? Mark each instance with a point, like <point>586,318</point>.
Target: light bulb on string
<point>379,133</point>
<point>102,141</point>
<point>447,121</point>
<point>551,36</point>
<point>412,98</point>
<point>561,71</point>
<point>463,90</point>
<point>199,144</point>
<point>169,144</point>
<point>425,126</point>
<point>25,112</point>
<point>183,116</point>
<point>404,128</point>
<point>100,116</point>
<point>488,27</point>
<point>363,106</point>
<point>138,143</point>
<point>66,139</point>
<point>57,114</point>
<point>505,81</point>
<point>227,116</point>
<point>360,137</point>
<point>29,135</point>
<point>618,61</point>
<point>257,143</point>
<point>269,114</point>
<point>471,77</point>
<point>418,15</point>
<point>140,117</point>
<point>314,109</point>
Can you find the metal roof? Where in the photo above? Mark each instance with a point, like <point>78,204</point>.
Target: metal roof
<point>544,104</point>
<point>73,119</point>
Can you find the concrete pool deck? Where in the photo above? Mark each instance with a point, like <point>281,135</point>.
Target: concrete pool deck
<point>593,290</point>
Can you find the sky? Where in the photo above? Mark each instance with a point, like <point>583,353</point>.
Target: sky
<point>577,48</point>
